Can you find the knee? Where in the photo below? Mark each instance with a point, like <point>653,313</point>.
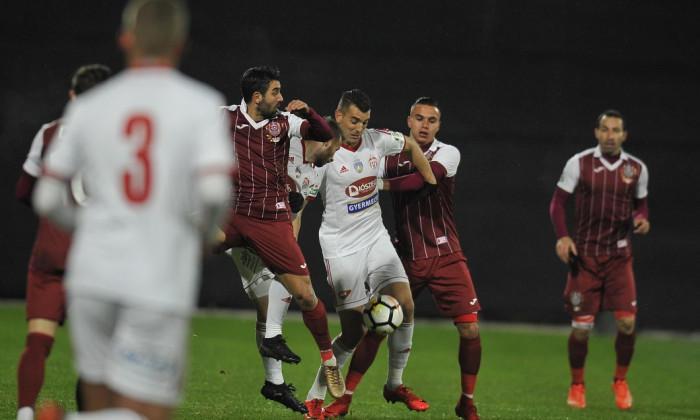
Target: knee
<point>625,325</point>
<point>468,330</point>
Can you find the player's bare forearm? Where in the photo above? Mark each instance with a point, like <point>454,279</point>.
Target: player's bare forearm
<point>418,159</point>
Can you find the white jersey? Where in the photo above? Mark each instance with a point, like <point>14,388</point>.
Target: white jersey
<point>303,174</point>
<point>140,139</point>
<point>352,218</point>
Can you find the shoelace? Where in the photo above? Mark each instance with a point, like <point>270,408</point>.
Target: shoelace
<point>335,377</point>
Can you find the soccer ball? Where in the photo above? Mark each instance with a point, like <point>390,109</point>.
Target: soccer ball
<point>383,314</point>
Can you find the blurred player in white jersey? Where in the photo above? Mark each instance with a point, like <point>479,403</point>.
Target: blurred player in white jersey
<point>356,246</point>
<point>46,308</point>
<point>426,239</point>
<point>157,162</point>
<point>270,298</point>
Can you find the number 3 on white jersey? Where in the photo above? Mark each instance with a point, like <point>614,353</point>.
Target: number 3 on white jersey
<point>137,181</point>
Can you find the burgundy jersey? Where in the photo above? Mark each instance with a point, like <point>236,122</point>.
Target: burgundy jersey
<point>262,149</point>
<point>426,228</point>
<point>51,244</point>
<point>605,194</point>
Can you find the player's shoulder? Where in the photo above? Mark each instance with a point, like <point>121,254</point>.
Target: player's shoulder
<point>444,148</point>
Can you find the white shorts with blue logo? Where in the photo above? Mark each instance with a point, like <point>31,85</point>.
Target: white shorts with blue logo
<point>137,353</point>
<point>354,278</point>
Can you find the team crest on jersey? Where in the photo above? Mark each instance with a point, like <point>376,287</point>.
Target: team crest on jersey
<point>305,183</point>
<point>358,166</point>
<point>274,129</point>
<point>297,172</point>
<point>628,173</point>
<point>373,162</point>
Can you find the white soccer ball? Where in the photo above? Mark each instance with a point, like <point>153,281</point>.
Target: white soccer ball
<point>382,314</point>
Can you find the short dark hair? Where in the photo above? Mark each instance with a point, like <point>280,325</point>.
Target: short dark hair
<point>257,79</point>
<point>426,100</point>
<point>88,76</point>
<point>333,124</point>
<point>614,114</point>
<point>354,97</point>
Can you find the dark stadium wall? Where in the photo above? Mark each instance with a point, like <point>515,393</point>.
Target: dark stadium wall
<point>520,85</point>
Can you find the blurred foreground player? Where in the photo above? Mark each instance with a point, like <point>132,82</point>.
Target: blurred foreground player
<point>157,163</point>
<point>610,187</point>
<point>46,308</point>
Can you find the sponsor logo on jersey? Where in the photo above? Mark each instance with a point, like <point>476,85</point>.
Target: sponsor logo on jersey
<point>398,137</point>
<point>358,166</point>
<point>343,169</point>
<point>291,160</point>
<point>598,169</point>
<point>362,187</point>
<point>473,301</point>
<point>313,191</point>
<point>442,240</point>
<point>345,293</point>
<point>628,173</point>
<point>281,205</point>
<point>363,205</point>
<point>242,126</point>
<point>373,162</point>
<point>288,299</point>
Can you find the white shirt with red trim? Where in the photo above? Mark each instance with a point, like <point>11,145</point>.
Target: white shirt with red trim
<point>352,219</point>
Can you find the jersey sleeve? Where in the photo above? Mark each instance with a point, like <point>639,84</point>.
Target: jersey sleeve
<point>32,165</point>
<point>63,157</point>
<point>214,150</point>
<point>390,142</point>
<point>449,157</point>
<point>642,183</point>
<point>570,175</point>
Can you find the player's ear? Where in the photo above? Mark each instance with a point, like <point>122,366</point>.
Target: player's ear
<point>126,41</point>
<point>408,121</point>
<point>71,94</point>
<point>338,115</point>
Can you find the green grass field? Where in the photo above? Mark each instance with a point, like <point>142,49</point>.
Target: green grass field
<point>524,373</point>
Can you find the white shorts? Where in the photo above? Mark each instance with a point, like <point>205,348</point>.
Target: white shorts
<point>135,352</point>
<point>255,276</point>
<point>355,277</point>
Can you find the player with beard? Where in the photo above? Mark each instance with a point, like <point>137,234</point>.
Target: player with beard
<point>260,215</point>
<point>269,296</point>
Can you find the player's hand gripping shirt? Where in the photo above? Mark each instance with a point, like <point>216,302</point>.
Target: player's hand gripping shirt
<point>604,200</point>
<point>352,218</point>
<point>426,228</point>
<point>140,139</point>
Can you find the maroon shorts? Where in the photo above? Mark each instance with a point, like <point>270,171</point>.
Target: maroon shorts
<point>46,297</point>
<point>272,240</point>
<point>449,282</point>
<point>599,284</point>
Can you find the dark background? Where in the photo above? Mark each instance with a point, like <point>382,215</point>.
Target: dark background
<point>520,85</point>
